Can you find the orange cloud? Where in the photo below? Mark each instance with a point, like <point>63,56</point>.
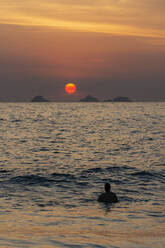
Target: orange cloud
<point>124,17</point>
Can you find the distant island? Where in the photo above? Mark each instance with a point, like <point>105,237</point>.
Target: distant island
<point>89,98</point>
<point>39,99</point>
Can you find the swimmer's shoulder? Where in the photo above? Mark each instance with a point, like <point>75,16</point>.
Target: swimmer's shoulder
<point>101,197</point>
<point>114,197</point>
<point>108,198</point>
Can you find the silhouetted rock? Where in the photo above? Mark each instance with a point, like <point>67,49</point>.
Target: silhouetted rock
<point>121,99</point>
<point>89,98</point>
<point>39,99</point>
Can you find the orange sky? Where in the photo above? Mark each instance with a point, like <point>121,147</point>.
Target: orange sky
<point>107,47</point>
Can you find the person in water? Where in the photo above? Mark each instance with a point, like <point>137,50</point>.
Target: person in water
<point>108,196</point>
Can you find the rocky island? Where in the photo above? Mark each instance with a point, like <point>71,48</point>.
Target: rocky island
<point>89,98</point>
<point>39,99</point>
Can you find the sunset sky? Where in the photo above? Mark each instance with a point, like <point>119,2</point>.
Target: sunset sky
<point>106,47</point>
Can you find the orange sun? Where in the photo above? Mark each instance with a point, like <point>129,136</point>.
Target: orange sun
<point>70,88</point>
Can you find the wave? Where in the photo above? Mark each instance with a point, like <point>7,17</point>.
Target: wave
<point>59,179</point>
<point>148,175</point>
<point>63,176</point>
<point>92,170</point>
<point>117,175</point>
<point>142,174</point>
<point>120,168</point>
<point>109,169</point>
<point>31,180</point>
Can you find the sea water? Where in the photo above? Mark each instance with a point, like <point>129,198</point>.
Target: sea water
<point>54,161</point>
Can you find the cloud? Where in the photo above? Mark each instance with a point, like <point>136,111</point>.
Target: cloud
<point>125,17</point>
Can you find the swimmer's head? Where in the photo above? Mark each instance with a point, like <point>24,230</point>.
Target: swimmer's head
<point>107,187</point>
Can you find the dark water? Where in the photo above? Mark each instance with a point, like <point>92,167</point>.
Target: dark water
<point>54,161</point>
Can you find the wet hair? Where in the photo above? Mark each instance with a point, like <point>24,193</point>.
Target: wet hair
<point>107,187</point>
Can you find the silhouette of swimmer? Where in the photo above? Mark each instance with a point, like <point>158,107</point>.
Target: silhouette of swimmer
<point>108,196</point>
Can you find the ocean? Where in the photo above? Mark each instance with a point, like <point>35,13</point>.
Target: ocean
<point>54,161</point>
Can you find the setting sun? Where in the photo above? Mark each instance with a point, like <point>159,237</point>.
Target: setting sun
<point>70,88</point>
